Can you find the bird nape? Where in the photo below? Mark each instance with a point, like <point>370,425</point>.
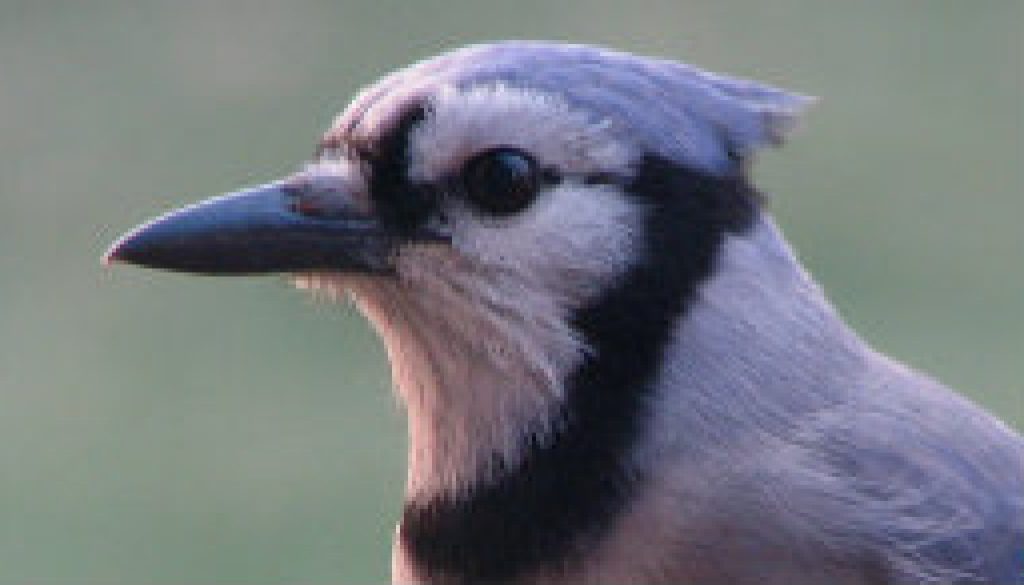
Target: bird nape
<point>614,367</point>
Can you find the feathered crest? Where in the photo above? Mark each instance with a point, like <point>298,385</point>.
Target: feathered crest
<point>665,107</point>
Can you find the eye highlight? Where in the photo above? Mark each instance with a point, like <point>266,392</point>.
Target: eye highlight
<point>502,180</point>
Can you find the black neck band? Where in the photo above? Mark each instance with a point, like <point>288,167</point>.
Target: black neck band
<point>566,492</point>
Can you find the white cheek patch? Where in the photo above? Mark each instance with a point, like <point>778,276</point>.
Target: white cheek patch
<point>480,335</point>
<point>461,124</point>
<point>571,243</point>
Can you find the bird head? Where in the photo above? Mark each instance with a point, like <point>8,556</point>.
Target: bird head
<point>515,164</point>
<point>522,205</point>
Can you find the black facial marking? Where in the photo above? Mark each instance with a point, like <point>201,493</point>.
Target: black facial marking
<point>398,201</point>
<point>565,493</point>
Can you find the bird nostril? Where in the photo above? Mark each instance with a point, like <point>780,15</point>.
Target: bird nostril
<point>310,205</point>
<point>303,199</point>
<point>327,203</point>
<point>293,188</point>
<point>303,206</point>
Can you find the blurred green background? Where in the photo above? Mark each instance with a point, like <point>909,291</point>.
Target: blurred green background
<point>156,428</point>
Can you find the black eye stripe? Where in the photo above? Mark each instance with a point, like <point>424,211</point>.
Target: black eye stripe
<point>549,176</point>
<point>604,179</point>
<point>398,201</point>
<point>522,182</point>
<point>408,205</point>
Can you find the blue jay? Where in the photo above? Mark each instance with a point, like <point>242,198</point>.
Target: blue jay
<point>615,369</point>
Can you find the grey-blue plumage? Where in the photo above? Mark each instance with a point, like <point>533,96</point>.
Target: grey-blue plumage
<point>614,367</point>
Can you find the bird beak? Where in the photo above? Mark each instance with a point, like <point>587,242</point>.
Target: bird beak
<point>260,230</point>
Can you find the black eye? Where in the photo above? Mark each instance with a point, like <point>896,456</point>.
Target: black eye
<point>502,180</point>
